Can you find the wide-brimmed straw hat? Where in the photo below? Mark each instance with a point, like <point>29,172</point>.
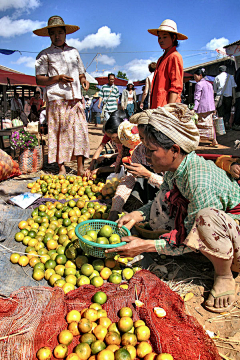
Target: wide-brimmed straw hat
<point>168,26</point>
<point>56,21</point>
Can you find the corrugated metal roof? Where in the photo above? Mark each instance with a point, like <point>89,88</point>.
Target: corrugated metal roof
<point>234,43</point>
<point>208,63</point>
<point>8,69</point>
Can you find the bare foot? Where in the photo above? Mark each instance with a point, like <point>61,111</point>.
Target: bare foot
<point>80,172</point>
<point>221,285</point>
<point>62,170</point>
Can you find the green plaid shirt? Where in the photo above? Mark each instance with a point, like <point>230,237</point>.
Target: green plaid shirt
<point>202,183</point>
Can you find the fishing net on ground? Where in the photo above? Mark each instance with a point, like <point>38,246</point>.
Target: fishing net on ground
<point>41,312</point>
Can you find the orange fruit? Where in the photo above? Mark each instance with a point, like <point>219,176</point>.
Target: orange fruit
<point>44,258</point>
<point>142,332</point>
<point>88,338</point>
<point>73,327</point>
<point>44,353</point>
<point>60,351</point>
<point>143,349</point>
<point>125,324</point>
<point>65,337</point>
<point>72,356</point>
<point>53,278</point>
<point>100,297</point>
<point>129,339</point>
<point>102,313</point>
<point>164,356</point>
<point>105,321</point>
<point>19,236</point>
<point>33,261</point>
<point>72,316</point>
<point>105,273</point>
<point>97,281</point>
<point>113,338</point>
<point>83,351</point>
<point>100,332</point>
<point>95,306</point>
<point>85,325</point>
<point>68,287</point>
<point>49,273</point>
<point>122,354</point>
<point>71,279</point>
<point>105,355</point>
<point>52,244</point>
<point>32,254</point>
<point>139,323</point>
<point>113,327</point>
<point>97,346</point>
<point>125,311</point>
<point>23,260</point>
<point>110,263</point>
<point>112,347</point>
<point>38,274</point>
<point>87,269</point>
<point>14,258</point>
<point>151,356</point>
<point>132,351</point>
<point>22,224</point>
<point>91,314</point>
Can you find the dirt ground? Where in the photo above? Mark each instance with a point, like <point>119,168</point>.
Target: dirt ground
<point>189,273</point>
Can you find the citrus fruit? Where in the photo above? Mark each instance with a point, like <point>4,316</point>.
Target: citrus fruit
<point>70,271</point>
<point>33,261</point>
<point>113,347</point>
<point>100,332</point>
<point>110,263</point>
<point>97,281</point>
<point>50,264</point>
<point>87,269</point>
<point>39,266</point>
<point>60,351</point>
<point>115,278</point>
<point>91,314</point>
<point>105,355</point>
<point>125,311</point>
<point>52,244</point>
<point>70,264</point>
<point>92,234</point>
<point>38,274</point>
<point>71,279</point>
<point>113,327</point>
<point>59,283</point>
<point>125,324</point>
<point>61,259</point>
<point>113,338</point>
<point>97,346</point>
<point>59,269</point>
<point>60,250</point>
<point>44,258</point>
<point>164,356</point>
<point>80,260</point>
<point>68,287</point>
<point>95,306</point>
<point>14,258</point>
<point>102,240</point>
<point>124,286</point>
<point>98,264</point>
<point>122,354</point>
<point>85,325</point>
<point>142,332</point>
<point>53,278</point>
<point>151,356</point>
<point>83,280</point>
<point>143,349</point>
<point>105,231</point>
<point>138,323</point>
<point>104,321</point>
<point>88,338</point>
<point>95,273</point>
<point>73,327</point>
<point>65,337</point>
<point>19,236</point>
<point>114,239</point>
<point>72,356</point>
<point>100,297</point>
<point>44,353</point>
<point>22,224</point>
<point>73,315</point>
<point>105,273</point>
<point>23,260</point>
<point>102,313</point>
<point>128,273</point>
<point>49,273</point>
<point>129,339</point>
<point>87,237</point>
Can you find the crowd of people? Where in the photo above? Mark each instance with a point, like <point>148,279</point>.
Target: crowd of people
<point>196,202</point>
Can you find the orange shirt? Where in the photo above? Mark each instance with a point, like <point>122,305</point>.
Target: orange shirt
<point>168,77</point>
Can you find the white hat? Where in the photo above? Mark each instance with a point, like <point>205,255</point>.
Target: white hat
<point>130,82</point>
<point>168,26</point>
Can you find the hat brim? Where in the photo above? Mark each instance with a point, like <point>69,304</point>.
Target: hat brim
<point>70,29</point>
<point>179,35</point>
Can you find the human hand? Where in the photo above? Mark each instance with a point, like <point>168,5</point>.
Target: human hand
<point>235,170</point>
<point>65,79</point>
<point>141,106</point>
<point>135,246</point>
<point>138,170</point>
<point>129,220</point>
<point>113,215</point>
<point>85,84</point>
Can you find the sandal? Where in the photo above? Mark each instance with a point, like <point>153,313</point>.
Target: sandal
<point>222,309</point>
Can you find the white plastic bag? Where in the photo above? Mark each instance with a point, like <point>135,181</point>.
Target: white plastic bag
<point>117,175</point>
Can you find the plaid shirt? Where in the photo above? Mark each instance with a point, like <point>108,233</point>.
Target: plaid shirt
<point>126,186</point>
<point>202,183</point>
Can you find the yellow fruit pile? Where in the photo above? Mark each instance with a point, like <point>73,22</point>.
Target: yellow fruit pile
<point>103,340</point>
<point>59,187</point>
<point>53,251</point>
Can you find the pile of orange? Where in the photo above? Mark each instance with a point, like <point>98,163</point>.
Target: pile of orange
<point>100,339</point>
<point>53,251</point>
<point>60,187</point>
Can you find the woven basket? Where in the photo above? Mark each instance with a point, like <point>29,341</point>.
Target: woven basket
<point>31,160</point>
<point>149,234</point>
<point>95,249</point>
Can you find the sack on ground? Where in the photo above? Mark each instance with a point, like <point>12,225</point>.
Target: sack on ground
<point>219,125</point>
<point>205,127</point>
<point>8,167</point>
<point>31,160</point>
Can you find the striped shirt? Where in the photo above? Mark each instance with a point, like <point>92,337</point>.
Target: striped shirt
<point>111,102</point>
<point>202,183</point>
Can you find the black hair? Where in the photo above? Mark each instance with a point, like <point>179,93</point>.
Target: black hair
<point>152,66</point>
<point>37,92</point>
<point>132,86</point>
<point>200,72</point>
<point>114,121</point>
<point>160,139</point>
<point>62,27</point>
<point>34,109</point>
<point>175,42</point>
<point>111,75</point>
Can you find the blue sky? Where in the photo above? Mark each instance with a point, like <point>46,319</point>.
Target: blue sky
<point>117,31</point>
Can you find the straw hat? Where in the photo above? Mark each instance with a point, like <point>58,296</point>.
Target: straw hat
<point>56,21</point>
<point>168,26</point>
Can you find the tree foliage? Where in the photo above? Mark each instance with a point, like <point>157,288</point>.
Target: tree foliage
<point>121,75</point>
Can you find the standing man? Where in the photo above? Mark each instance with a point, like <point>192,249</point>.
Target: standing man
<point>109,94</point>
<point>224,84</point>
<point>16,107</point>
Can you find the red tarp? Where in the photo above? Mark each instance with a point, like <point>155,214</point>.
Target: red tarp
<point>8,77</point>
<point>120,82</point>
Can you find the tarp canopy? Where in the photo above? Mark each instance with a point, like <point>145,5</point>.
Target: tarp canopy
<point>12,78</point>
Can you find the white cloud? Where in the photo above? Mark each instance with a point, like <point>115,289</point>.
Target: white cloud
<point>19,4</point>
<point>137,69</point>
<point>10,27</point>
<point>105,59</point>
<point>28,61</point>
<point>217,43</point>
<point>103,38</point>
<point>101,73</point>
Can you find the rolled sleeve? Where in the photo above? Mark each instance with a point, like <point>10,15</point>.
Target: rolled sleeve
<point>41,64</point>
<point>155,180</point>
<point>175,70</point>
<point>123,192</point>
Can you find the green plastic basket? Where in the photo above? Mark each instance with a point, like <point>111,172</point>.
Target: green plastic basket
<point>94,249</point>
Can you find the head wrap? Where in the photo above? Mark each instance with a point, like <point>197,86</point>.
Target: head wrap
<point>128,134</point>
<point>175,121</point>
<point>222,68</point>
<point>141,118</point>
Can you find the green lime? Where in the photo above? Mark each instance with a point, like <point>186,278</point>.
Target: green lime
<point>100,297</point>
<point>50,264</point>
<point>61,259</point>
